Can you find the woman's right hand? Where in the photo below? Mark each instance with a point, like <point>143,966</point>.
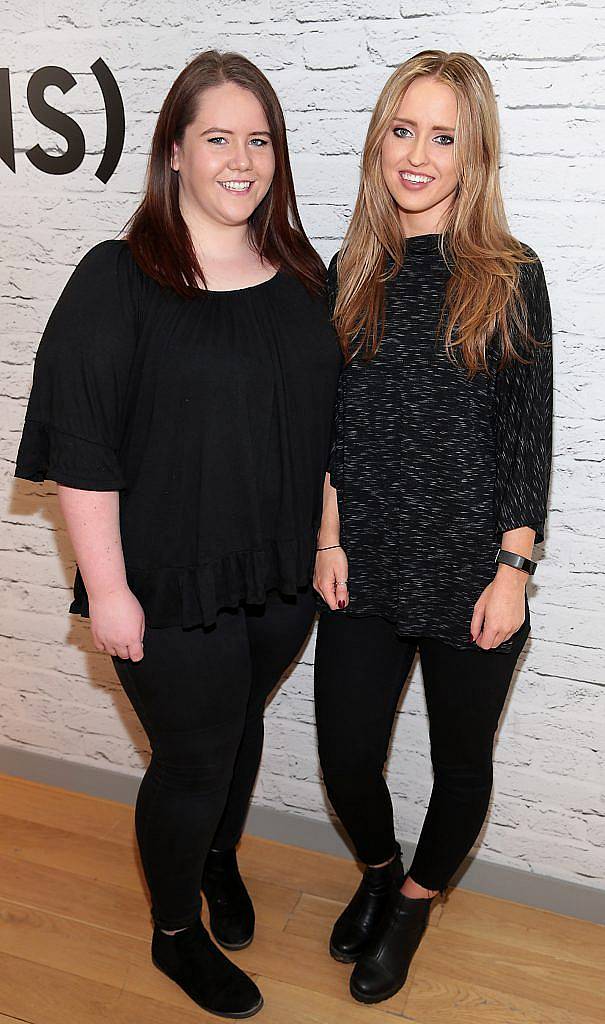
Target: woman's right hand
<point>331,576</point>
<point>117,622</point>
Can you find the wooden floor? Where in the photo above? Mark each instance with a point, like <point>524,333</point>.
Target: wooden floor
<point>75,932</point>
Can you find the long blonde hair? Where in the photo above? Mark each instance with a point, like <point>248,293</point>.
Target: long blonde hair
<point>483,296</point>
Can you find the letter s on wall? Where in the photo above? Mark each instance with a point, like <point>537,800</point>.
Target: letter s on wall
<point>56,120</point>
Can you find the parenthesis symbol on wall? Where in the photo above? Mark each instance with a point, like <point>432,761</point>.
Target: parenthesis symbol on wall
<point>114,119</point>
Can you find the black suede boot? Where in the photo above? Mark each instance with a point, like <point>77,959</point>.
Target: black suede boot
<point>192,960</point>
<point>230,906</point>
<point>382,970</point>
<point>356,927</point>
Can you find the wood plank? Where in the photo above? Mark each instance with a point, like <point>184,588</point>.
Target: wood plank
<point>434,998</point>
<point>318,874</point>
<point>294,1005</point>
<point>111,906</point>
<point>72,947</point>
<point>512,970</point>
<point>69,851</point>
<point>82,899</point>
<point>42,995</point>
<point>75,812</point>
<point>525,928</point>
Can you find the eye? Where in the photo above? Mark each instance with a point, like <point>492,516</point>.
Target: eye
<point>258,143</point>
<point>444,140</point>
<point>396,131</point>
<point>217,140</point>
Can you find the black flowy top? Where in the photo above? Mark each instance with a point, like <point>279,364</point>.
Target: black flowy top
<point>211,416</point>
<point>431,467</point>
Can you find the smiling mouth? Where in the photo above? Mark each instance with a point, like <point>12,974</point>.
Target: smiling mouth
<point>416,179</point>
<point>237,186</point>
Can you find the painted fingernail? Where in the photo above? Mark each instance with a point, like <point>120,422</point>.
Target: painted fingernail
<point>341,604</point>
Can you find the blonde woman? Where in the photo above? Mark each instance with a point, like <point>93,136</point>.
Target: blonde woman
<point>436,492</point>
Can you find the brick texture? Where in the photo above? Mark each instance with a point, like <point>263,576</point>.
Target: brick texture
<point>327,60</point>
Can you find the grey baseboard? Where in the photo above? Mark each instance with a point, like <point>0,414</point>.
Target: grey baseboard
<point>478,875</point>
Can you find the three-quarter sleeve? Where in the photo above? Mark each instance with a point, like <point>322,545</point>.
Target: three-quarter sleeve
<point>76,410</point>
<point>524,418</point>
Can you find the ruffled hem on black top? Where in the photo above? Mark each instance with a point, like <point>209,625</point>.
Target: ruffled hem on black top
<point>192,596</point>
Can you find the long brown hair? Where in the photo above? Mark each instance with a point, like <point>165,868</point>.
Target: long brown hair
<point>483,296</point>
<point>157,234</point>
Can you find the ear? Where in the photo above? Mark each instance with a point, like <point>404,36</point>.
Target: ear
<point>174,161</point>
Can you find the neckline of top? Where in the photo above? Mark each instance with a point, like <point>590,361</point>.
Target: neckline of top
<point>424,243</point>
<point>240,291</point>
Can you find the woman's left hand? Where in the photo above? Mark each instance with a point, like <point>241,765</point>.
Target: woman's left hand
<point>500,611</point>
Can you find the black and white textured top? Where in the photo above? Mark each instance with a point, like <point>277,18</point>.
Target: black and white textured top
<point>430,466</point>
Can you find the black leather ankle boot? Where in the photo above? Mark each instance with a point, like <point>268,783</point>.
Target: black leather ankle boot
<point>230,906</point>
<point>192,960</point>
<point>383,968</point>
<point>356,926</point>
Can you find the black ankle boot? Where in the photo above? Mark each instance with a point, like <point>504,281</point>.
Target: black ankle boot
<point>230,906</point>
<point>382,970</point>
<point>356,926</point>
<point>192,960</point>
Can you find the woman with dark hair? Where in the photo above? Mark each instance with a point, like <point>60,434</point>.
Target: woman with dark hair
<point>182,400</point>
<point>439,470</point>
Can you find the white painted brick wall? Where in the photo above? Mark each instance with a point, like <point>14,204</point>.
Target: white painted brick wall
<point>328,60</point>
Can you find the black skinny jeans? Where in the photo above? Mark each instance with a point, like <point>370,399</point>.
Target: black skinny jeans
<point>200,696</point>
<point>360,668</point>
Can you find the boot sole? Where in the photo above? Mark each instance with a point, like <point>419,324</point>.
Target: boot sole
<point>241,1015</point>
<point>232,945</point>
<point>362,997</point>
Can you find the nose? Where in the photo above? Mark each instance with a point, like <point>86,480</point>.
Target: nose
<point>240,157</point>
<point>417,151</point>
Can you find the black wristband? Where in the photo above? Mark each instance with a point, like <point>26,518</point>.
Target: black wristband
<point>516,561</point>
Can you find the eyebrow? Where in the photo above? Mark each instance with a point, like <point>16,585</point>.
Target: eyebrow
<point>435,128</point>
<point>227,131</point>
